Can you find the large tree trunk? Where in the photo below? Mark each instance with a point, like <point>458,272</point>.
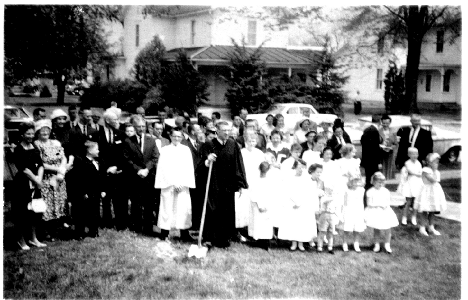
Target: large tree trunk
<point>416,31</point>
<point>60,89</point>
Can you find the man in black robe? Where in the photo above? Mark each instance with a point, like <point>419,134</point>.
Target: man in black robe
<point>227,177</point>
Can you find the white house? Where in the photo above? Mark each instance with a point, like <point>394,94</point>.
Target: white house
<point>205,34</point>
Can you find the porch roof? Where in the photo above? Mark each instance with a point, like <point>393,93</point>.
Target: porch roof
<point>219,55</point>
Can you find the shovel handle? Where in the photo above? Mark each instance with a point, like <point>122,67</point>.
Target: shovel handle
<point>202,223</point>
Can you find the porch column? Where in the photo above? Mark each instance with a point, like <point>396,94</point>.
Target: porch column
<point>442,76</point>
<point>289,72</point>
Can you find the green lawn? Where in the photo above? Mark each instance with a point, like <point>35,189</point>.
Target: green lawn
<point>126,265</point>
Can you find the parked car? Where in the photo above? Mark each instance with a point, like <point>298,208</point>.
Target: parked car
<point>293,112</point>
<point>13,117</point>
<point>447,143</point>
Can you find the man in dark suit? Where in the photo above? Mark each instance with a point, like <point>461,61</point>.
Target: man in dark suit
<point>160,140</point>
<point>79,134</point>
<point>194,146</point>
<point>111,141</point>
<point>338,139</point>
<point>309,144</point>
<point>141,159</point>
<point>413,136</point>
<point>371,155</point>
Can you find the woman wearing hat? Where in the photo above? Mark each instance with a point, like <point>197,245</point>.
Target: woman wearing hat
<point>55,166</point>
<point>27,181</point>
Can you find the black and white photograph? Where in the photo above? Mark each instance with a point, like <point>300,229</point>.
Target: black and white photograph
<point>224,150</point>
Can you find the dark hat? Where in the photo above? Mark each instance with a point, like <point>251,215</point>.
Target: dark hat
<point>309,132</point>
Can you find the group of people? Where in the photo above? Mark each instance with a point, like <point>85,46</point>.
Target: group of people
<point>265,182</point>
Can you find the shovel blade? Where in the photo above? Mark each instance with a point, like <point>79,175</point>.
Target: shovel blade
<point>198,252</point>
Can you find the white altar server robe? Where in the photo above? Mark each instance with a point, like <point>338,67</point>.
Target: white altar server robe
<point>175,168</point>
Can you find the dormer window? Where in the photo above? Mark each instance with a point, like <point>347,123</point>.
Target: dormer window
<point>252,33</point>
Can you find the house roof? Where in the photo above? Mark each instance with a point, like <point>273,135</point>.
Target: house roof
<point>219,55</point>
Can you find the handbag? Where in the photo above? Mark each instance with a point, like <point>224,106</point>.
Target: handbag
<point>37,204</point>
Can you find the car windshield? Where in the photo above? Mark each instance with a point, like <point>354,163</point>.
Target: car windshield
<point>15,113</point>
<point>276,109</point>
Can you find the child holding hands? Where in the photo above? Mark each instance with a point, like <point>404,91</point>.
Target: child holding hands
<point>378,213</point>
<point>431,200</point>
<point>411,184</point>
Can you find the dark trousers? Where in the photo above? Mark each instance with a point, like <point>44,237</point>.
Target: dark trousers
<point>197,207</point>
<point>116,200</point>
<point>143,205</point>
<point>89,212</point>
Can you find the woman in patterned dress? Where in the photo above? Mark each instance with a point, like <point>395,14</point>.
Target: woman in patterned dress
<point>53,188</point>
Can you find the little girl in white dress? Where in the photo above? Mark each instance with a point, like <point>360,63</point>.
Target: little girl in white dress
<point>378,213</point>
<point>353,212</point>
<point>411,184</point>
<point>431,200</point>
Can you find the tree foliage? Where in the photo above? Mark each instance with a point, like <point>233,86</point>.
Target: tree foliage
<point>183,87</point>
<point>403,25</point>
<point>148,65</point>
<point>54,39</point>
<point>245,82</point>
<point>394,89</point>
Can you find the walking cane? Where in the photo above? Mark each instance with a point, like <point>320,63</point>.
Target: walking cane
<point>198,250</point>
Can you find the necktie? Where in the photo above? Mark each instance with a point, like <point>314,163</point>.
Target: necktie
<point>412,135</point>
<point>85,130</point>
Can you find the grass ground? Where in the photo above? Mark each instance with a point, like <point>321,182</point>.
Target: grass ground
<point>130,266</point>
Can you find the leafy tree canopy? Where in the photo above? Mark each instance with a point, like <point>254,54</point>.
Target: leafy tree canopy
<point>149,63</point>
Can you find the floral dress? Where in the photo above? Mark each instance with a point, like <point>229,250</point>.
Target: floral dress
<point>53,191</point>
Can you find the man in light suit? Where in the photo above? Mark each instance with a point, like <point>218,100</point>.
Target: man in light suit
<point>371,153</point>
<point>413,136</point>
<point>141,158</point>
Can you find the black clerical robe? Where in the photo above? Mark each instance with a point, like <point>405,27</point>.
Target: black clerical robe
<point>227,177</point>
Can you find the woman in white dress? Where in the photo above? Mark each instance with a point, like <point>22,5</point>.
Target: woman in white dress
<point>278,122</point>
<point>313,156</point>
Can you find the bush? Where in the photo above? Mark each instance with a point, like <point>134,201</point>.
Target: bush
<point>45,93</point>
<point>127,93</point>
<point>394,90</point>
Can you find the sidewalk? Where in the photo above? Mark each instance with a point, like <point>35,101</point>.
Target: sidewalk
<point>453,211</point>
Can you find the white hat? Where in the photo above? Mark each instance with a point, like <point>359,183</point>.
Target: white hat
<point>42,123</point>
<point>432,156</point>
<point>57,113</point>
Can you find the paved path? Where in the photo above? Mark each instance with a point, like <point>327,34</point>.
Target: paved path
<point>453,211</point>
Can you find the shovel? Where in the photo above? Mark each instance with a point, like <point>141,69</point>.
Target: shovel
<point>198,250</point>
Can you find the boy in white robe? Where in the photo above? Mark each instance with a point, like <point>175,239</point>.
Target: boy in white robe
<point>174,176</point>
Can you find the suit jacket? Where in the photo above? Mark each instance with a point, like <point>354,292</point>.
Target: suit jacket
<point>333,143</point>
<point>424,144</point>
<point>90,178</point>
<point>135,160</point>
<point>196,155</point>
<point>167,132</point>
<point>111,154</point>
<point>371,152</point>
<point>78,139</point>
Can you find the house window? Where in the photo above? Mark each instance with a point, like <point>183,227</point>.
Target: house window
<point>192,32</point>
<point>428,82</point>
<point>137,35</point>
<point>379,79</point>
<point>447,76</point>
<point>252,33</point>
<point>440,41</point>
<point>380,44</point>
